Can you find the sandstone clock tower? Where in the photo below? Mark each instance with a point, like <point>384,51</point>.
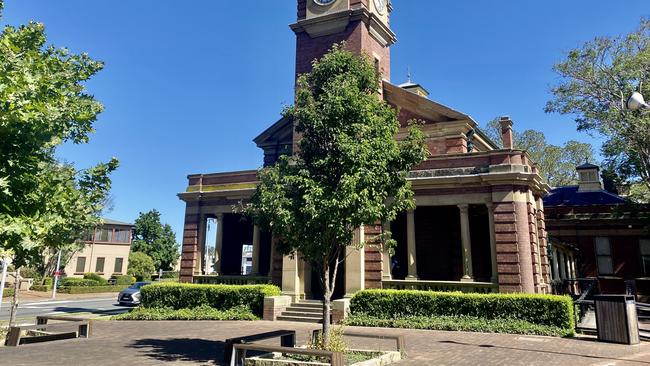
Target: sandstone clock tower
<point>362,24</point>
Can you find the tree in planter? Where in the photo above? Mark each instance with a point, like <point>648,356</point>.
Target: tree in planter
<point>597,80</point>
<point>141,266</point>
<point>43,103</point>
<point>158,241</point>
<point>349,169</point>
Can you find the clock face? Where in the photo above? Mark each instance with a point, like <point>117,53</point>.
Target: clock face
<point>380,5</point>
<point>324,2</point>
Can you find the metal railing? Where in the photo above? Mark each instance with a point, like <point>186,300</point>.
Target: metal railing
<point>442,286</point>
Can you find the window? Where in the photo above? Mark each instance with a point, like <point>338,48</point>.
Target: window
<point>99,266</point>
<point>103,235</point>
<point>604,256</point>
<point>81,265</point>
<point>644,248</point>
<point>121,235</point>
<point>118,265</point>
<point>377,65</point>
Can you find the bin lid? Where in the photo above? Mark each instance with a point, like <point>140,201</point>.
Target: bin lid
<point>614,298</point>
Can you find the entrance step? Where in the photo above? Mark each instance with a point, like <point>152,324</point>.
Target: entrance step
<point>305,311</point>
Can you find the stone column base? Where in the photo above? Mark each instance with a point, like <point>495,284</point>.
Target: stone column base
<point>274,306</point>
<point>340,310</point>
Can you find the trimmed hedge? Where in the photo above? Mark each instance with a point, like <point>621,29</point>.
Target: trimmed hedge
<point>78,282</point>
<point>41,288</point>
<point>460,323</point>
<point>8,292</point>
<point>92,289</point>
<point>94,276</point>
<point>201,313</point>
<point>221,297</point>
<point>123,280</point>
<point>548,310</point>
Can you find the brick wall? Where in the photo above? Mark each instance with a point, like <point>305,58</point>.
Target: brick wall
<point>190,249</point>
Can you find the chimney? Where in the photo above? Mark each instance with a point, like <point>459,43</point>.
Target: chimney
<point>506,132</point>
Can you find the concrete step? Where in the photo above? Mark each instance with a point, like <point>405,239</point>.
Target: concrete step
<point>302,314</point>
<point>305,309</point>
<point>299,319</point>
<point>304,304</point>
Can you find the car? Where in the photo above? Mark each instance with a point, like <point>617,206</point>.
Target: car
<point>131,294</point>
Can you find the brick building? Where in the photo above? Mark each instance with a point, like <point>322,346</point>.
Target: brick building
<point>596,235</point>
<point>479,221</point>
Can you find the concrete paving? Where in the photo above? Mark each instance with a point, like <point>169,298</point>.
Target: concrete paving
<point>201,343</point>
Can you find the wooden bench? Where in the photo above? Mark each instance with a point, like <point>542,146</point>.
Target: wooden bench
<point>15,335</point>
<point>287,339</point>
<point>239,353</point>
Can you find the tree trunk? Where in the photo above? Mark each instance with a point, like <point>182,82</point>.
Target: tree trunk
<point>327,297</point>
<point>14,302</point>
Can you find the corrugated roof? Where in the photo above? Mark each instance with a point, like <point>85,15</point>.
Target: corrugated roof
<point>115,222</point>
<point>569,196</point>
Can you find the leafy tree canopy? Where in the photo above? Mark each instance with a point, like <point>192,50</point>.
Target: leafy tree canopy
<point>156,240</point>
<point>140,266</point>
<point>597,80</point>
<point>557,164</point>
<point>43,103</point>
<point>349,169</point>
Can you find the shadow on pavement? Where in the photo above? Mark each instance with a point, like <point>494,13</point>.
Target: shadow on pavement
<point>76,309</point>
<point>182,349</point>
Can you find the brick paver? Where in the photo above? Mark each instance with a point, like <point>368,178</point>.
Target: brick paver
<point>152,343</point>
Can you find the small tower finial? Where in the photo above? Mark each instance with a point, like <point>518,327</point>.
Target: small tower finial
<point>408,74</point>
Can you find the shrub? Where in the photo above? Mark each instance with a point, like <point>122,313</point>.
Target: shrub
<point>201,313</point>
<point>221,297</point>
<point>140,266</point>
<point>94,276</point>
<point>549,310</point>
<point>461,323</point>
<point>48,281</point>
<point>30,272</point>
<point>78,282</point>
<point>123,280</point>
<point>41,288</point>
<point>92,289</point>
<point>8,292</point>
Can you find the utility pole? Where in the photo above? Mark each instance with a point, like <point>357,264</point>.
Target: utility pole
<point>56,275</point>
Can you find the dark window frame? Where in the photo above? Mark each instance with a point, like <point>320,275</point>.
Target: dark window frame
<point>103,262</point>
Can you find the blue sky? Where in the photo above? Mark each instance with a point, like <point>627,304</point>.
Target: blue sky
<point>188,84</point>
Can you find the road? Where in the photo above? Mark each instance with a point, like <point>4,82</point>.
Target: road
<point>98,306</point>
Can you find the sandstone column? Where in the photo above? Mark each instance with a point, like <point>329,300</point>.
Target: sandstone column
<point>562,263</point>
<point>355,265</point>
<point>385,260</point>
<point>290,277</point>
<point>218,246</point>
<point>556,266</point>
<point>201,266</point>
<point>255,271</point>
<point>468,274</point>
<point>493,243</point>
<point>411,248</point>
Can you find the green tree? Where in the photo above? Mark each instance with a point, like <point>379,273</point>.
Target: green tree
<point>158,241</point>
<point>556,163</point>
<point>43,103</point>
<point>140,266</point>
<point>597,80</point>
<point>348,171</point>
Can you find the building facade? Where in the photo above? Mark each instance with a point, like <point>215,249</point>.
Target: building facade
<point>479,220</point>
<point>596,235</point>
<point>105,251</point>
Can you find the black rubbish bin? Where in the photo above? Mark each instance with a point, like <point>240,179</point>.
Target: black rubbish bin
<point>616,319</point>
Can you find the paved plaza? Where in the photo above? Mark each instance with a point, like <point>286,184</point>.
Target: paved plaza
<point>201,343</point>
